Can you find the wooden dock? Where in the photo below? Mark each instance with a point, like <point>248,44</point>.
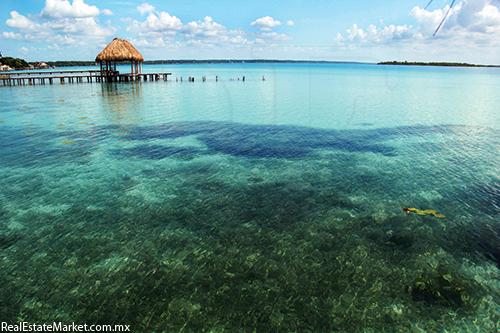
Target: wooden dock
<point>32,78</point>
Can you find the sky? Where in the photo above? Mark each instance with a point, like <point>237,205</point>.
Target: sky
<point>355,30</point>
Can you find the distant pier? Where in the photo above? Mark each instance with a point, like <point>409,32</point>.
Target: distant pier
<point>32,78</point>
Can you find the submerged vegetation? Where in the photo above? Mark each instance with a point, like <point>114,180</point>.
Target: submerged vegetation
<point>219,239</point>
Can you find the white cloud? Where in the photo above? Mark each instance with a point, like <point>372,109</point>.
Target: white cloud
<point>59,9</point>
<point>80,27</point>
<point>145,8</point>
<point>465,19</point>
<point>154,43</point>
<point>11,35</point>
<point>274,36</point>
<point>23,49</point>
<point>471,22</point>
<point>107,12</point>
<point>207,28</point>
<point>265,23</point>
<point>289,22</point>
<point>240,40</point>
<point>18,21</point>
<point>63,31</point>
<point>375,35</point>
<point>163,24</point>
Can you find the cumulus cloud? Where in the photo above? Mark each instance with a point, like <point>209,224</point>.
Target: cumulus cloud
<point>18,21</point>
<point>265,23</point>
<point>59,9</point>
<point>274,36</point>
<point>289,22</point>
<point>376,35</point>
<point>107,12</point>
<point>207,28</point>
<point>472,22</point>
<point>239,40</point>
<point>163,24</point>
<point>65,30</point>
<point>271,38</point>
<point>154,43</point>
<point>11,35</point>
<point>145,8</point>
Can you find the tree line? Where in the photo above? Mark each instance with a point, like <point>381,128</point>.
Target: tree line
<point>15,63</point>
<point>446,64</point>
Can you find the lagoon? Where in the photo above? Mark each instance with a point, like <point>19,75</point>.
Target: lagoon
<point>269,205</point>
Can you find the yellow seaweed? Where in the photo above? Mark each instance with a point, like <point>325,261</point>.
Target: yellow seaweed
<point>2,121</point>
<point>60,124</point>
<point>81,117</point>
<point>30,131</point>
<point>424,212</point>
<point>68,142</point>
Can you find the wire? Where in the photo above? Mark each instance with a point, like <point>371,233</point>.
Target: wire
<point>444,18</point>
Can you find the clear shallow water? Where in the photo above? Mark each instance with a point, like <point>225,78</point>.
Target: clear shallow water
<point>269,205</point>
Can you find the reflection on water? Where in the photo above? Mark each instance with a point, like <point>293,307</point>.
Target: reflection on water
<point>122,102</point>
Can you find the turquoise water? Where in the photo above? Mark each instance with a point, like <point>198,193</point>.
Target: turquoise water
<point>269,205</point>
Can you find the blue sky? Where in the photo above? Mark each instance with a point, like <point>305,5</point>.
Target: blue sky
<point>356,30</point>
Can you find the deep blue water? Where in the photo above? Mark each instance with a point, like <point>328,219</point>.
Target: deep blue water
<point>269,205</point>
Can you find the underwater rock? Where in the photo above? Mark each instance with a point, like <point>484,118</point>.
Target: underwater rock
<point>403,239</point>
<point>441,288</point>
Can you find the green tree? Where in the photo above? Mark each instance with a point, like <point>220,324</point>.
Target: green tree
<point>14,62</point>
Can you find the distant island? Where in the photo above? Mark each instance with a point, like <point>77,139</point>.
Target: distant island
<point>445,64</point>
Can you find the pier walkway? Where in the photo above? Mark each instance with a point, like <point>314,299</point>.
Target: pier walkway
<point>42,77</point>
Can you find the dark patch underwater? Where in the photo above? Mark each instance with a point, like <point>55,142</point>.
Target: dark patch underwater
<point>262,141</point>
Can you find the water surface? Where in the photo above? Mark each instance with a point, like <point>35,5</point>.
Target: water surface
<point>270,205</point>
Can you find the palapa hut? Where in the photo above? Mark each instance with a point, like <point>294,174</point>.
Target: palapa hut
<point>119,50</point>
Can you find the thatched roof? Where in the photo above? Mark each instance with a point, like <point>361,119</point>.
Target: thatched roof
<point>119,50</point>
